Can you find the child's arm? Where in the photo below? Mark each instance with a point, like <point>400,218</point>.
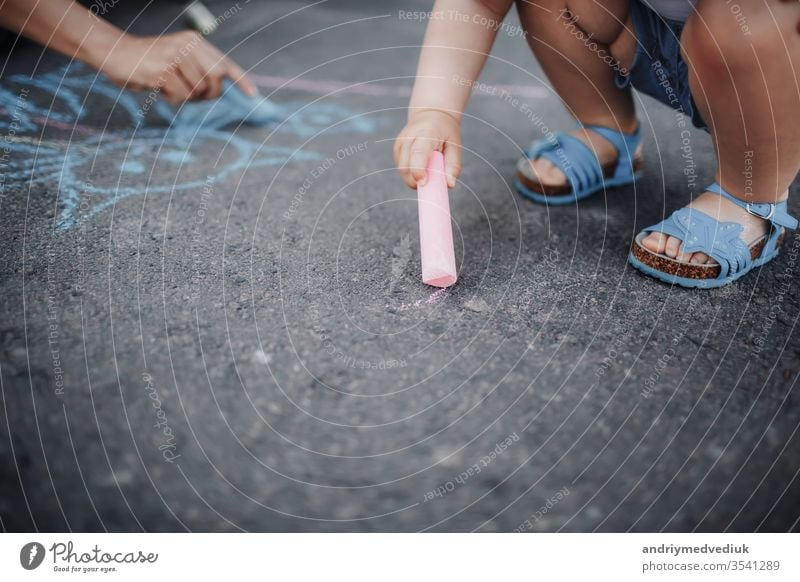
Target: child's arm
<point>457,43</point>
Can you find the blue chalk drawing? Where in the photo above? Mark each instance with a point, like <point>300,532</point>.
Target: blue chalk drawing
<point>126,159</point>
<point>233,107</point>
<point>132,167</point>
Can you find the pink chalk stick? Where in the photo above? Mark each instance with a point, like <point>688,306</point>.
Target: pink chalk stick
<point>435,230</point>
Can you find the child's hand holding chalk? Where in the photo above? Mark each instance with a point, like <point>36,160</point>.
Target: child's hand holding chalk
<point>430,171</point>
<point>428,130</point>
<point>435,230</point>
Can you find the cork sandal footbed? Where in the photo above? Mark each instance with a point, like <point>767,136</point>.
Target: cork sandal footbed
<point>671,266</point>
<point>566,189</point>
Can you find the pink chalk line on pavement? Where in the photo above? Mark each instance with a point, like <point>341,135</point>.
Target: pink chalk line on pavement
<point>323,87</point>
<point>434,298</point>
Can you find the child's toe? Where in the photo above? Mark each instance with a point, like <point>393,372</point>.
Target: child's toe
<point>547,172</point>
<point>655,242</point>
<point>683,257</point>
<point>672,247</point>
<point>699,259</point>
<point>539,168</point>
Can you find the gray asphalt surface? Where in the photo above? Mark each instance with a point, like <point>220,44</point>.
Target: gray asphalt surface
<point>258,352</point>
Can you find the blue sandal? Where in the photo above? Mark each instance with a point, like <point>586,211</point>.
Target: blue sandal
<point>585,175</point>
<point>719,240</point>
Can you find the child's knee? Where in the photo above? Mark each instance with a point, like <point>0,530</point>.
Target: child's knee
<point>604,22</point>
<point>726,35</point>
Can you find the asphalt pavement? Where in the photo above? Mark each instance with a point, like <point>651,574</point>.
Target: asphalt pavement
<point>226,330</point>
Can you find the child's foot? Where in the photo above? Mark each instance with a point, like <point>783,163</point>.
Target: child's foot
<point>548,174</point>
<point>564,168</point>
<point>722,210</point>
<point>739,235</point>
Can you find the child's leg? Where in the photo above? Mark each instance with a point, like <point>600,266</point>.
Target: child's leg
<point>744,74</point>
<point>581,44</point>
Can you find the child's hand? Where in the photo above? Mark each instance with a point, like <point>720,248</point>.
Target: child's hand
<point>426,131</point>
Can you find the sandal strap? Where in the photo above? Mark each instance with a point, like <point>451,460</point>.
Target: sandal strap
<point>626,145</point>
<point>700,232</point>
<point>777,214</point>
<point>570,155</point>
<point>579,162</point>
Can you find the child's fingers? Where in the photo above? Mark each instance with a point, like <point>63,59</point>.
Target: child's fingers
<point>401,160</point>
<point>396,146</point>
<point>400,151</point>
<point>401,157</point>
<point>452,162</point>
<point>418,158</point>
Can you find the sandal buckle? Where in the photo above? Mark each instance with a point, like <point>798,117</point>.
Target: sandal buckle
<point>749,208</point>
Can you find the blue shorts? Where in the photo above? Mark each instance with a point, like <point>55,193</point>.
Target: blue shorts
<point>658,69</point>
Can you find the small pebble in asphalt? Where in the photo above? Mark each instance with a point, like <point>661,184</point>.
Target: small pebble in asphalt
<point>477,305</point>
